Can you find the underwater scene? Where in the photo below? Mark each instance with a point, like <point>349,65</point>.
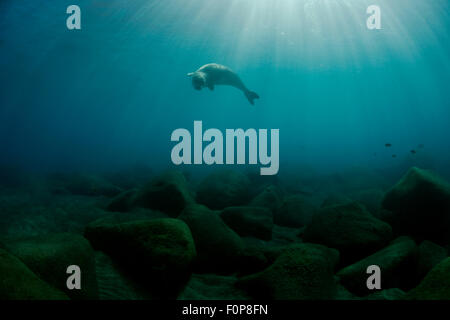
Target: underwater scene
<point>225,150</point>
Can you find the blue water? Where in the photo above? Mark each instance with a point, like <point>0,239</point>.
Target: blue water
<point>110,95</point>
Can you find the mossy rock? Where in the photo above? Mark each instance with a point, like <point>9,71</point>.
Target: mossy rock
<point>48,256</point>
<point>249,221</point>
<point>212,287</point>
<point>397,263</point>
<point>18,282</point>
<point>393,294</point>
<point>335,199</point>
<point>301,272</point>
<point>218,246</point>
<point>168,193</point>
<point>430,254</point>
<point>270,198</point>
<point>370,198</point>
<point>436,284</point>
<point>350,228</point>
<point>420,203</point>
<point>295,211</point>
<point>158,252</point>
<point>123,202</point>
<point>223,189</point>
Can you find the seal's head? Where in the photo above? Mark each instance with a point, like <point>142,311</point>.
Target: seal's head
<point>198,80</point>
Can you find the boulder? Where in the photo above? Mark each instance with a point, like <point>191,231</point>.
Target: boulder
<point>350,228</point>
<point>137,214</point>
<point>435,286</point>
<point>370,198</point>
<point>301,272</point>
<point>218,247</point>
<point>48,256</point>
<point>123,202</point>
<point>335,199</point>
<point>420,203</point>
<point>168,193</point>
<point>223,189</point>
<point>393,294</point>
<point>270,198</point>
<point>160,252</point>
<point>212,287</point>
<point>397,263</point>
<point>249,221</point>
<point>430,254</point>
<point>18,282</point>
<point>295,211</point>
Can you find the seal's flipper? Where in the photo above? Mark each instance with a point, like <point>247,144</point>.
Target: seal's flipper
<point>251,96</point>
<point>211,87</point>
<point>190,74</point>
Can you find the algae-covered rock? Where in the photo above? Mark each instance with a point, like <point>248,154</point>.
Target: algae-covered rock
<point>18,282</point>
<point>370,198</point>
<point>301,272</point>
<point>212,287</point>
<point>350,228</point>
<point>420,203</point>
<point>123,202</point>
<point>397,264</point>
<point>335,199</point>
<point>393,294</point>
<point>430,254</point>
<point>295,211</point>
<point>168,193</point>
<point>160,252</point>
<point>137,214</point>
<point>223,189</point>
<point>218,247</point>
<point>249,221</point>
<point>48,256</point>
<point>436,284</point>
<point>270,198</point>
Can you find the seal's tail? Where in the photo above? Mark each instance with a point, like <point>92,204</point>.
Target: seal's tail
<point>251,96</point>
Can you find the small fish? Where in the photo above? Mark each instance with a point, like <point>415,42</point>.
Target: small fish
<point>413,151</point>
<point>421,146</point>
<point>394,156</point>
<point>388,145</point>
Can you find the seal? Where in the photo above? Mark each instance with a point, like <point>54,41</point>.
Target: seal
<point>214,74</point>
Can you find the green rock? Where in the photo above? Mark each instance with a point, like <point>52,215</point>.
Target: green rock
<point>212,287</point>
<point>370,198</point>
<point>123,202</point>
<point>393,294</point>
<point>295,211</point>
<point>223,189</point>
<point>218,247</point>
<point>301,272</point>
<point>350,228</point>
<point>168,193</point>
<point>435,285</point>
<point>420,203</point>
<point>159,252</point>
<point>397,263</point>
<point>18,282</point>
<point>269,198</point>
<point>335,199</point>
<point>48,256</point>
<point>249,221</point>
<point>430,254</point>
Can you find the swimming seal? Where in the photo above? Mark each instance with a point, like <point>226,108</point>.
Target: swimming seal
<point>214,74</point>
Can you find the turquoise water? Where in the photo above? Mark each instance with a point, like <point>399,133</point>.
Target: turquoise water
<point>109,95</point>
